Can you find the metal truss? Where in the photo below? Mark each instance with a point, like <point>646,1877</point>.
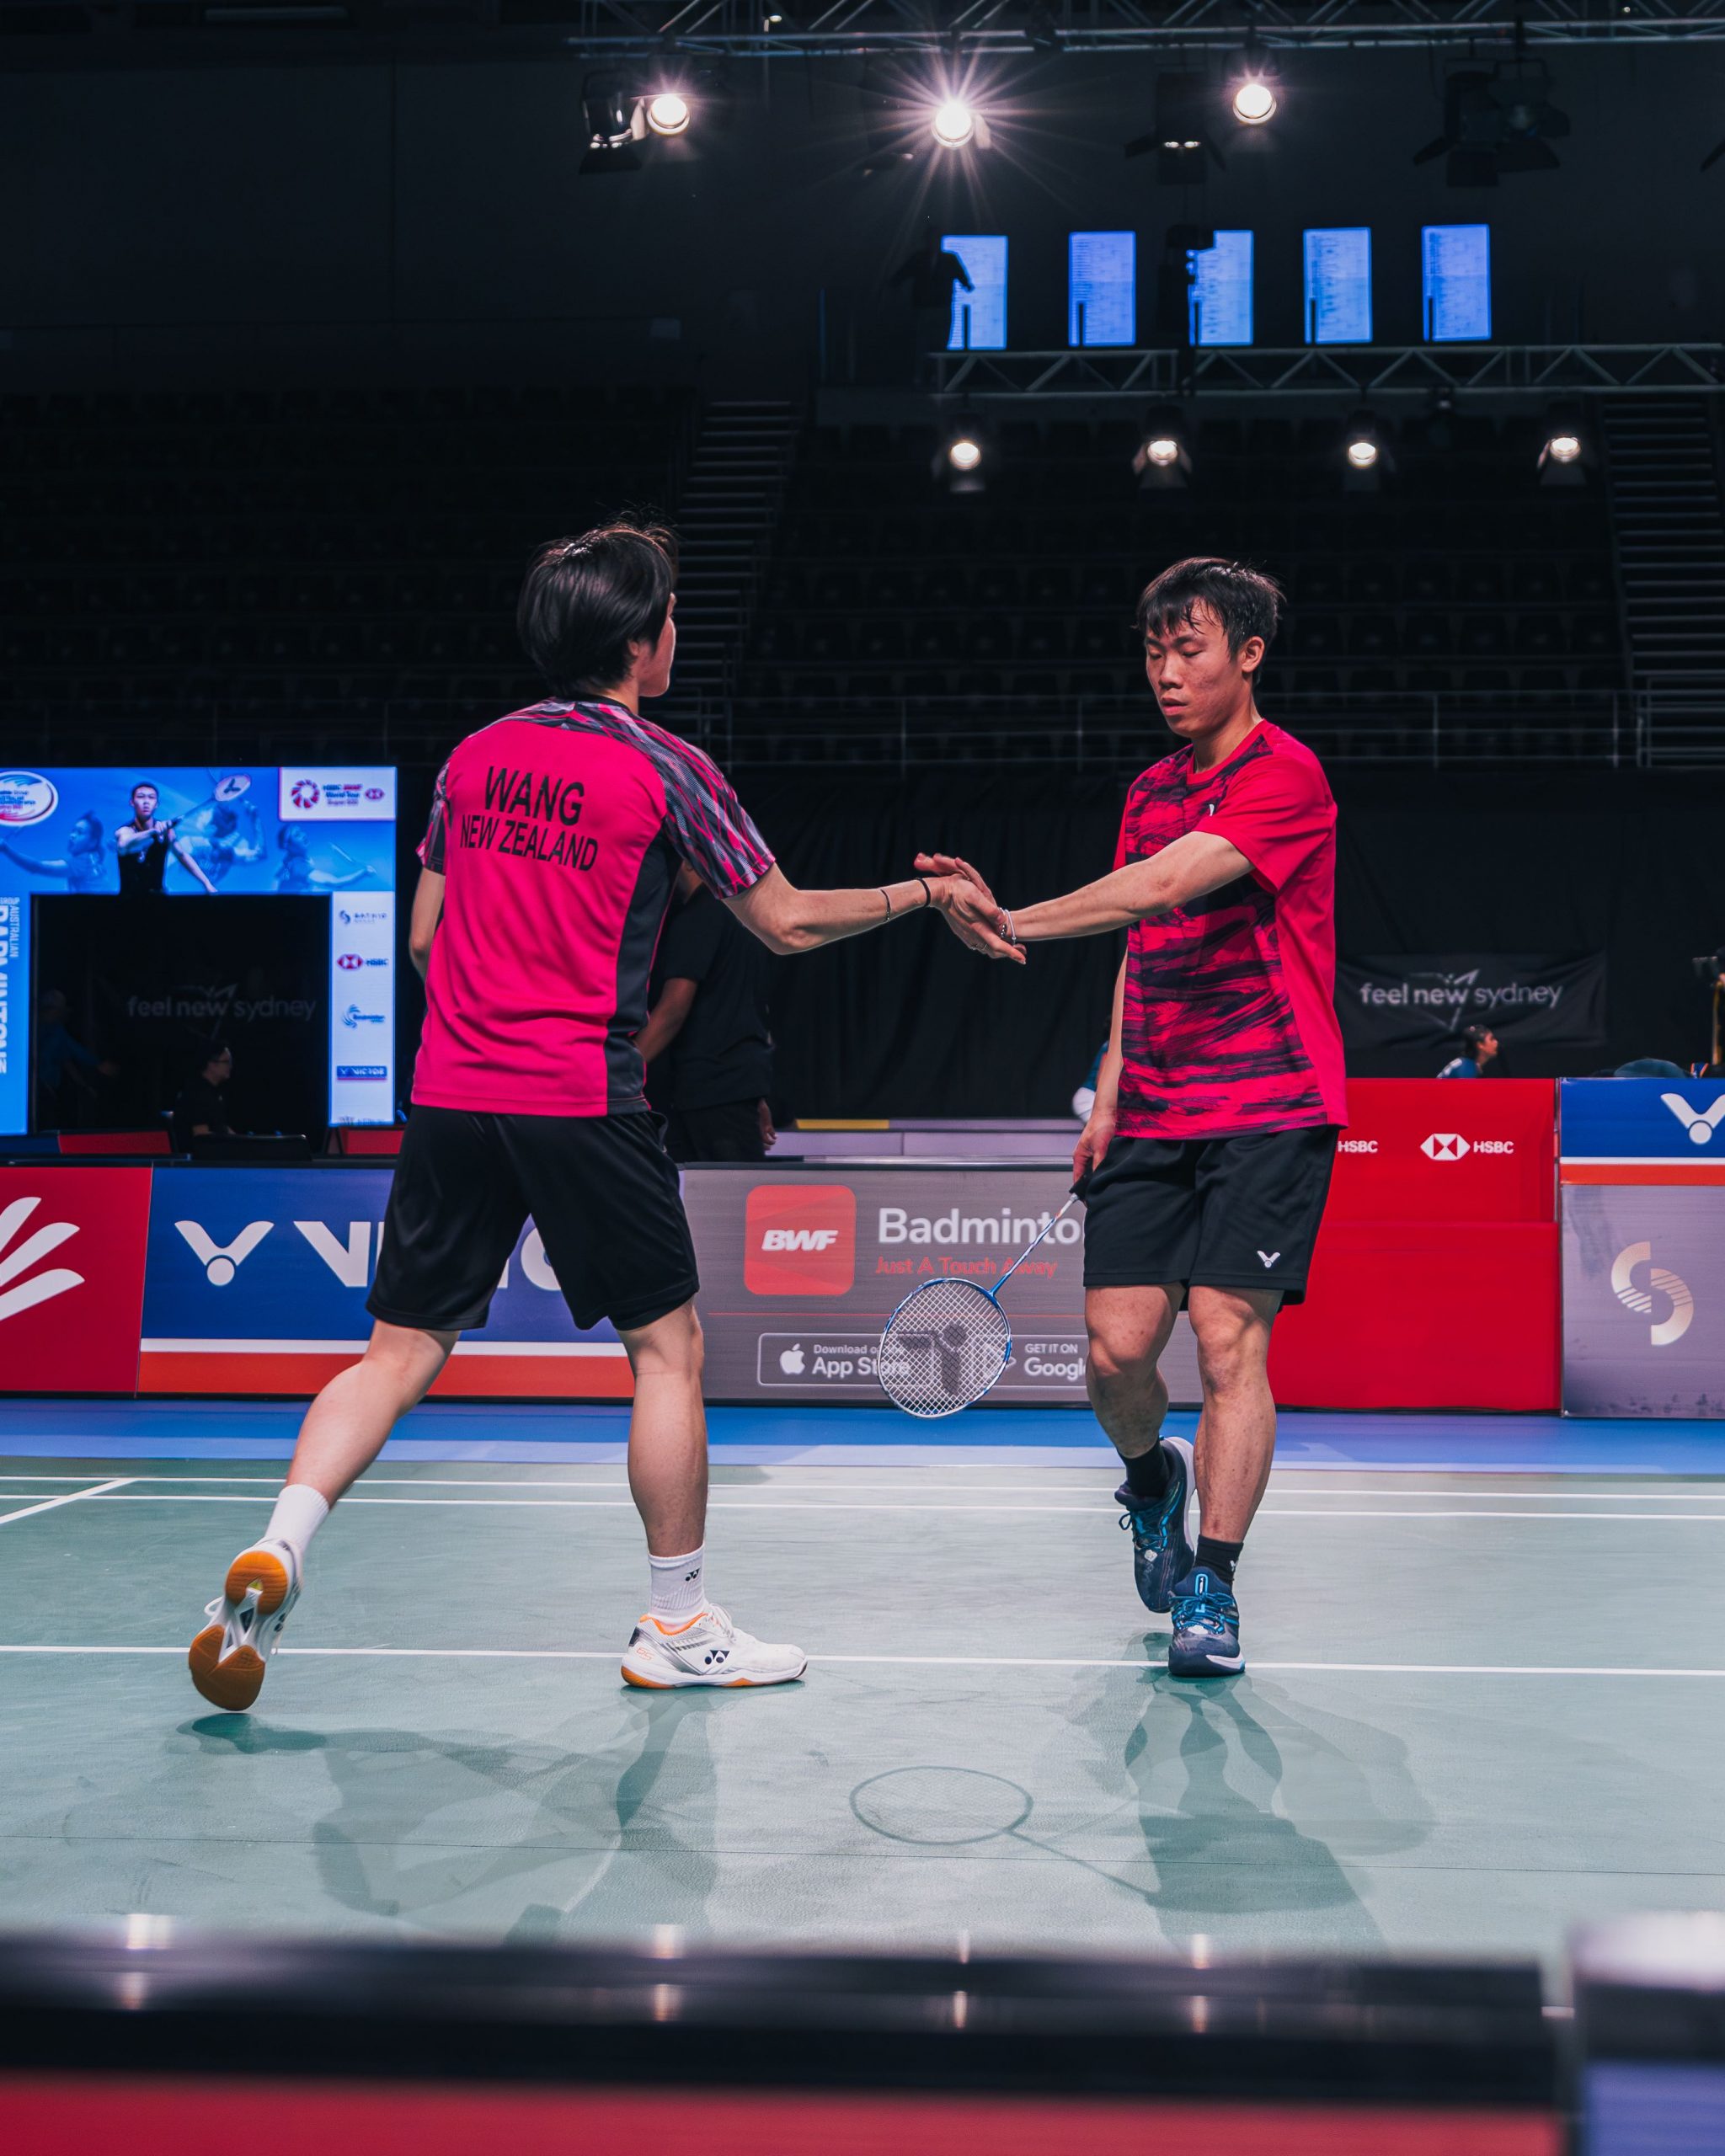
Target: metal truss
<point>834,29</point>
<point>1333,370</point>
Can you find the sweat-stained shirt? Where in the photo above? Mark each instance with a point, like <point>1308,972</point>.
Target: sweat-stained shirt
<point>560,829</point>
<point>1229,1016</point>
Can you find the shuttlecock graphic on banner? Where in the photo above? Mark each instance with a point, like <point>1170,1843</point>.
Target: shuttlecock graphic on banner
<point>1672,1285</point>
<point>27,1294</point>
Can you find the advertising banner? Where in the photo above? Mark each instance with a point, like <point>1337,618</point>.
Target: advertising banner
<point>1632,1123</point>
<point>1644,1300</point>
<point>203,833</point>
<point>799,1272</point>
<point>1415,1149</point>
<point>258,1280</point>
<point>72,1277</point>
<point>1401,1018</point>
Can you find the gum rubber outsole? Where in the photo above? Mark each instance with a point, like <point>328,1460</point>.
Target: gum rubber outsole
<point>234,1684</point>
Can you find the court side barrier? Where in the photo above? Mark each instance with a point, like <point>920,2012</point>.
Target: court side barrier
<point>161,2040</point>
<point>236,1279</point>
<point>1642,1184</point>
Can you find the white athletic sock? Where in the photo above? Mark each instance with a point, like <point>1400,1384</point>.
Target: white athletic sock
<point>299,1512</point>
<point>679,1588</point>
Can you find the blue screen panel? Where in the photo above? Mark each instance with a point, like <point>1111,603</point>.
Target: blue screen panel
<point>979,317</point>
<point>1339,285</point>
<point>1102,302</point>
<point>1220,301</point>
<point>1455,262</point>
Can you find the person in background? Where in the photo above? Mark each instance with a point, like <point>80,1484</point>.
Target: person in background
<point>201,1111</point>
<point>930,273</point>
<point>1084,1100</point>
<point>706,1039</point>
<point>83,865</point>
<point>66,1069</point>
<point>1480,1047</point>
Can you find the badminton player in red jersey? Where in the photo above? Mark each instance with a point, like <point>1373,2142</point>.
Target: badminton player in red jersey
<point>1218,1104</point>
<point>555,838</point>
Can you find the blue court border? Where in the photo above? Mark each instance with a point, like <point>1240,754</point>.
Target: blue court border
<point>456,1430</point>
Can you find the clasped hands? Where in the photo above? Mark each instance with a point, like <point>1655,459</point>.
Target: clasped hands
<point>972,913</point>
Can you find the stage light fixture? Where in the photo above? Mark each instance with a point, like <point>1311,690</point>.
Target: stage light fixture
<point>1179,140</point>
<point>1256,95</point>
<point>615,125</point>
<point>1562,459</point>
<point>954,124</point>
<point>1163,459</point>
<point>1365,455</point>
<point>668,113</point>
<point>961,460</point>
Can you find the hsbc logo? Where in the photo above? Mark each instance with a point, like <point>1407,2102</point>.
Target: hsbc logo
<point>1445,1146</point>
<point>800,1239</point>
<point>20,1289</point>
<point>350,962</point>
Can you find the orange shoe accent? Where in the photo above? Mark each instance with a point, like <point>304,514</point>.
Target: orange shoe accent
<point>232,1685</point>
<point>646,1684</point>
<point>261,1569</point>
<point>672,1632</point>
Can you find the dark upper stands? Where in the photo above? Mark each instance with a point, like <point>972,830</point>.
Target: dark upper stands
<point>292,568</point>
<point>1462,578</point>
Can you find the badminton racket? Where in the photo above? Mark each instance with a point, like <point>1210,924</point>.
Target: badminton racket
<point>948,1341</point>
<point>226,790</point>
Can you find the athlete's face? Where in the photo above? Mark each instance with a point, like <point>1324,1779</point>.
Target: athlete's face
<point>144,799</point>
<point>652,672</point>
<point>83,837</point>
<point>1200,683</point>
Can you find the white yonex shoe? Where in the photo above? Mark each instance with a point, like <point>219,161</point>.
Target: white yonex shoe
<point>707,1649</point>
<point>227,1659</point>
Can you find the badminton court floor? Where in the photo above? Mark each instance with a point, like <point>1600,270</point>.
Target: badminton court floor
<point>1483,1708</point>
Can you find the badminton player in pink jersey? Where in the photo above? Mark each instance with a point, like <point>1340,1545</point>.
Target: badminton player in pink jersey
<point>554,842</point>
<point>1218,1106</point>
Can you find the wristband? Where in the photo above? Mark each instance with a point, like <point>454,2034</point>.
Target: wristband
<point>888,896</point>
<point>1008,933</point>
<point>928,895</point>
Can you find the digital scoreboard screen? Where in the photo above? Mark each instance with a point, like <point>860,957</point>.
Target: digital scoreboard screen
<point>1455,262</point>
<point>1102,303</point>
<point>1220,303</point>
<point>979,316</point>
<point>1339,285</point>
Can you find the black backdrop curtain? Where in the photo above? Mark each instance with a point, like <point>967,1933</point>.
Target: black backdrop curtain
<point>907,1022</point>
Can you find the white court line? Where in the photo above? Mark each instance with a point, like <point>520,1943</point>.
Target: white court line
<point>930,1660</point>
<point>71,1497</point>
<point>124,1497</point>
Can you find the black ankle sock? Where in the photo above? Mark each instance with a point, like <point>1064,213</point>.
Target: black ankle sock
<point>1218,1556</point>
<point>1147,1476</point>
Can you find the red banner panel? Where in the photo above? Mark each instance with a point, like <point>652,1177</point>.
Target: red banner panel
<point>1427,1314</point>
<point>1451,1149</point>
<point>58,2116</point>
<point>72,1277</point>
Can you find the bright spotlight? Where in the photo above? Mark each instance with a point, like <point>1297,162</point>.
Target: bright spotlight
<point>1254,102</point>
<point>1162,458</point>
<point>961,460</point>
<point>1362,454</point>
<point>964,455</point>
<point>1563,449</point>
<point>954,124</point>
<point>667,113</point>
<point>1163,450</point>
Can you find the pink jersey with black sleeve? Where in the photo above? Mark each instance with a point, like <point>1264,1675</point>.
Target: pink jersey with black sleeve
<point>560,829</point>
<point>1230,1018</point>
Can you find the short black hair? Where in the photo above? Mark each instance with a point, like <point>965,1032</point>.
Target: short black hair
<point>1246,601</point>
<point>586,600</point>
<point>1475,1036</point>
<point>213,1053</point>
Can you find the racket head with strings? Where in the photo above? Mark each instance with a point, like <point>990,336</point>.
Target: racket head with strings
<point>943,1348</point>
<point>229,789</point>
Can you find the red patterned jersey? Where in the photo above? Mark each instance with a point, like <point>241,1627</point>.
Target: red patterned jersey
<point>559,831</point>
<point>1230,1018</point>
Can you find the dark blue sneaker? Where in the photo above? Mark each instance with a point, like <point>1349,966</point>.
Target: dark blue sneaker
<point>1162,1552</point>
<point>1206,1641</point>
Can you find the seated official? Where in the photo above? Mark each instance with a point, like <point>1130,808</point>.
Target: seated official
<point>201,1111</point>
<point>706,1041</point>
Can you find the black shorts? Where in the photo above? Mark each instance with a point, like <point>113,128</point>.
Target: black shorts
<point>602,1189</point>
<point>1209,1211</point>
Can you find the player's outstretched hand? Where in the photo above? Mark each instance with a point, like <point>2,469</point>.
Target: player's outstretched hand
<point>972,916</point>
<point>951,864</point>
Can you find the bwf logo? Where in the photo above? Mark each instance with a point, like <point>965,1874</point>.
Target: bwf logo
<point>800,1239</point>
<point>1445,1146</point>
